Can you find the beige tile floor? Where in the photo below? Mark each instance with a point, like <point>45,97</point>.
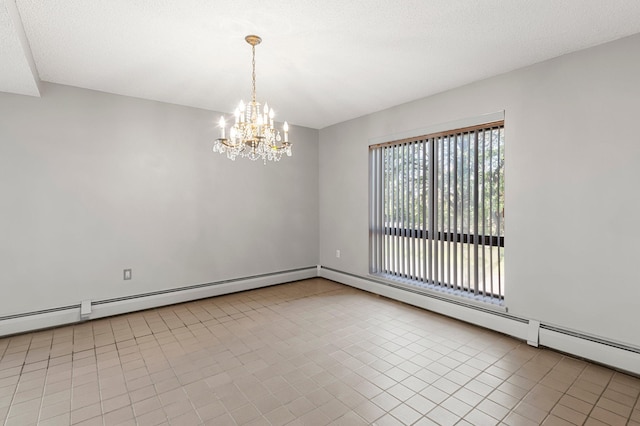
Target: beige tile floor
<point>307,353</point>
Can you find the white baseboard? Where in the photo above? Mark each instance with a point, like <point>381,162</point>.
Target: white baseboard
<point>614,354</point>
<point>39,320</point>
<point>493,321</point>
<point>54,317</point>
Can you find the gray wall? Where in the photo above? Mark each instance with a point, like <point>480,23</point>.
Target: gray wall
<point>572,175</point>
<point>92,183</point>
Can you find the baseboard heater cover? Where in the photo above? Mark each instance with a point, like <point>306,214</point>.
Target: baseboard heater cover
<point>53,317</point>
<point>615,354</point>
<point>618,355</point>
<point>490,318</point>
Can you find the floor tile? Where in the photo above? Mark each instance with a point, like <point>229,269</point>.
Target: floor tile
<point>311,352</point>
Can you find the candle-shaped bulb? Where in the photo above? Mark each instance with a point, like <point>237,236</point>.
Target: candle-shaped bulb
<point>271,114</point>
<point>222,124</point>
<point>285,127</point>
<point>242,110</point>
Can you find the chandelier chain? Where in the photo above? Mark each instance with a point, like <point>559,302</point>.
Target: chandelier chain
<point>253,75</point>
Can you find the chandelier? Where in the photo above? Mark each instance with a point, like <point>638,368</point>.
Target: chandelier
<point>253,134</point>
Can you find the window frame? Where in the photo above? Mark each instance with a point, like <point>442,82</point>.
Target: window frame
<point>420,232</point>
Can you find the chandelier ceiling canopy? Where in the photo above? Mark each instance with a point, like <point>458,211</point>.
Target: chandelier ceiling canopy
<point>253,134</point>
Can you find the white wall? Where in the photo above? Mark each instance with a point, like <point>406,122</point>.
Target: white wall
<point>572,175</point>
<point>92,183</point>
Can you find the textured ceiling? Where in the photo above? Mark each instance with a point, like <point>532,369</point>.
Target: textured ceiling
<point>321,61</point>
<point>17,73</point>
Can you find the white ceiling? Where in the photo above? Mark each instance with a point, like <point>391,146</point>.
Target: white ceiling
<point>321,61</point>
<point>16,63</point>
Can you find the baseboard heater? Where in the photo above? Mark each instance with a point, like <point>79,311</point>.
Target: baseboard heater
<point>69,314</point>
<point>590,338</point>
<point>621,356</point>
<point>618,355</point>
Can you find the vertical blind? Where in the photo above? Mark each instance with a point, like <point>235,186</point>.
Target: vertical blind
<point>437,210</point>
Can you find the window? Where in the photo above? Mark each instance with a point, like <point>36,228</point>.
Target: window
<point>437,211</point>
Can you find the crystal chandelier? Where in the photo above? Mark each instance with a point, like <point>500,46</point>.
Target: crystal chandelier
<point>253,135</point>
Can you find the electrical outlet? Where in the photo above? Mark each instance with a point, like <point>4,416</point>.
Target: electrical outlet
<point>338,254</point>
<point>127,274</point>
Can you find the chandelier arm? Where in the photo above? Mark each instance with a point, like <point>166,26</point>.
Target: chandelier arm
<point>226,142</point>
<point>282,147</point>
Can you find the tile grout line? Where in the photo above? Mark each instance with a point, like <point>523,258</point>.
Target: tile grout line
<point>287,326</point>
<point>564,393</point>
